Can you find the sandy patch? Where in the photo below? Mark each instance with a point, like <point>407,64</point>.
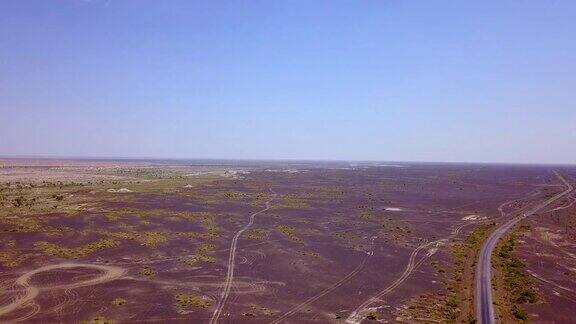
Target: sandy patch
<point>474,217</point>
<point>121,190</point>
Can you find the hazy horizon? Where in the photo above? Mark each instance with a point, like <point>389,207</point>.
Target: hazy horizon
<point>489,82</point>
<point>268,160</point>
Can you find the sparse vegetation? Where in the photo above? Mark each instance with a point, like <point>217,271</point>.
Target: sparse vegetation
<point>257,234</point>
<point>119,302</point>
<point>288,231</point>
<point>198,258</point>
<point>372,316</point>
<point>77,252</point>
<point>174,232</point>
<point>201,255</point>
<point>149,239</point>
<point>97,320</point>
<point>260,310</point>
<point>12,259</point>
<point>457,304</point>
<point>147,271</point>
<point>460,299</point>
<point>291,202</point>
<point>184,301</point>
<point>519,287</point>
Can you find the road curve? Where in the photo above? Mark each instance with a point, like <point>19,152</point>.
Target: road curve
<point>31,292</point>
<point>483,294</point>
<point>231,263</point>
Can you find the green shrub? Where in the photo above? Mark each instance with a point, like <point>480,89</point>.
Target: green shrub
<point>519,313</point>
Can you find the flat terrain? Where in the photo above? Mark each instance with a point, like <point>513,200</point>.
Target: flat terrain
<point>175,241</point>
<point>485,304</point>
<point>548,247</point>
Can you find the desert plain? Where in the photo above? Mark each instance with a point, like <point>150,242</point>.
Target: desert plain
<point>134,241</point>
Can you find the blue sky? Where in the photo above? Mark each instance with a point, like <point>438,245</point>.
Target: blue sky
<point>474,81</point>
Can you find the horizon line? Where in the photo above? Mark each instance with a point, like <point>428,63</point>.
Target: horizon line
<point>150,158</point>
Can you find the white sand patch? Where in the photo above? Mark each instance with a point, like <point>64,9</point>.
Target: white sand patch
<point>474,217</point>
<point>286,170</point>
<point>234,174</point>
<point>393,209</point>
<point>121,190</point>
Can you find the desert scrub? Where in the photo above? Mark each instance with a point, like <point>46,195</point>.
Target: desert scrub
<point>258,309</point>
<point>184,301</point>
<point>430,306</point>
<point>201,256</point>
<point>77,252</point>
<point>519,312</point>
<point>207,221</point>
<point>147,271</point>
<point>456,305</point>
<point>311,254</point>
<point>289,232</point>
<point>212,230</point>
<point>206,248</point>
<point>365,212</point>
<point>149,239</point>
<point>452,310</point>
<point>234,195</point>
<point>460,300</point>
<point>198,258</point>
<point>518,284</point>
<point>285,229</point>
<point>97,320</point>
<point>119,302</point>
<point>372,316</point>
<point>11,259</point>
<point>24,225</point>
<point>257,234</point>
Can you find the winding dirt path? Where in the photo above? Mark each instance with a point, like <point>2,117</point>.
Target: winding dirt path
<point>31,292</point>
<point>231,263</point>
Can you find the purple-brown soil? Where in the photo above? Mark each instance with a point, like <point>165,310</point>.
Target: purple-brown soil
<point>332,239</point>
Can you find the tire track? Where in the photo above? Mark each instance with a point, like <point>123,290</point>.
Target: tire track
<point>230,275</point>
<point>31,291</point>
<point>359,313</point>
<point>326,291</point>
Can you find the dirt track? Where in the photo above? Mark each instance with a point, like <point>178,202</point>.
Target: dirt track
<point>231,263</point>
<point>31,292</point>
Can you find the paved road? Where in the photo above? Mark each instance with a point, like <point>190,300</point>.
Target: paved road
<point>484,305</point>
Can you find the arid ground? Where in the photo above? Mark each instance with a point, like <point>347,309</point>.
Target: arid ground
<point>223,241</point>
